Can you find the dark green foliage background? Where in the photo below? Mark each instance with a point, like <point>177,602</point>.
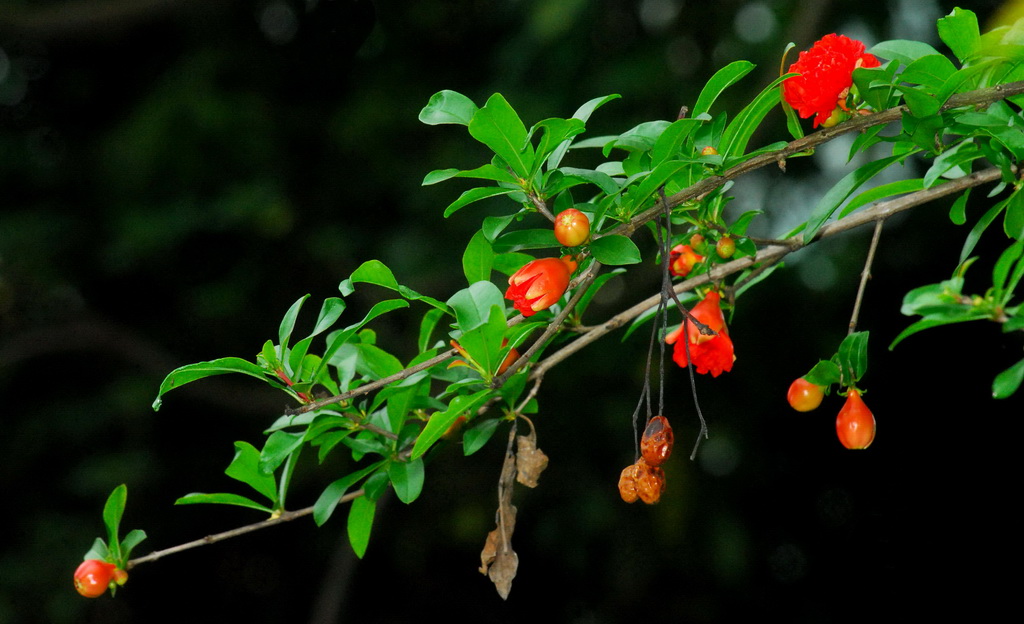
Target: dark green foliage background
<point>174,177</point>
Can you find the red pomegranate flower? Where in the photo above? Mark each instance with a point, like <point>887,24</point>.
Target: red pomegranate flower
<point>538,285</point>
<point>826,74</point>
<point>711,354</point>
<point>682,259</point>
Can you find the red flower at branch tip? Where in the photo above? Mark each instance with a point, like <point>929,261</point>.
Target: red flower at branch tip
<point>682,259</point>
<point>711,354</point>
<point>826,74</point>
<point>538,285</point>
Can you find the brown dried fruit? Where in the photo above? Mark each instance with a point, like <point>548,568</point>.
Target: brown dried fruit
<point>627,484</point>
<point>650,482</point>
<point>656,443</point>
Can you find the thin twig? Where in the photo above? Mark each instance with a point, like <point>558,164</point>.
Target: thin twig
<point>286,516</point>
<point>865,274</point>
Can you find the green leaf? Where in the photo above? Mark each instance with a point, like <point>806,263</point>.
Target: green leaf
<point>671,140</point>
<point>472,305</point>
<point>722,80</point>
<point>335,340</point>
<point>130,541</point>
<point>902,51</point>
<point>191,372</point>
<point>843,189</point>
<point>920,103</point>
<point>600,281</point>
<point>221,499</point>
<point>360,521</point>
<point>98,550</point>
<point>583,113</point>
<point>824,373</point>
<point>427,325</point>
<point>853,355</point>
<point>377,273</point>
<point>485,172</point>
<point>288,323</point>
<point>555,132</point>
<point>958,211</point>
<point>931,71</point>
<point>475,195</point>
<point>509,263</point>
<point>640,138</point>
<point>1007,382</point>
<point>478,435</point>
<point>737,134</point>
<point>330,312</point>
<point>407,479</point>
<point>952,163</point>
<point>615,250</point>
<point>959,31</point>
<point>497,126</point>
<point>440,421</point>
<point>331,496</point>
<point>1013,220</point>
<point>603,181</point>
<point>526,239</point>
<point>112,511</point>
<point>448,107</point>
<point>478,258</point>
<point>483,343</point>
<point>928,323</point>
<point>979,228</point>
<point>277,448</point>
<point>882,191</point>
<point>245,468</point>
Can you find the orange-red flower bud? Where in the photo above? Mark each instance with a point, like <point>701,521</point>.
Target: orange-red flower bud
<point>538,285</point>
<point>93,577</point>
<point>682,259</point>
<point>711,354</point>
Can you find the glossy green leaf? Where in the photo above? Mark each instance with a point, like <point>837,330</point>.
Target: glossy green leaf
<point>843,189</point>
<point>497,126</point>
<point>737,134</point>
<point>638,138</point>
<point>288,322</point>
<point>824,373</point>
<point>958,211</point>
<point>882,191</point>
<point>377,273</point>
<point>478,435</point>
<point>277,448</point>
<point>603,181</point>
<point>130,541</point>
<point>722,80</point>
<point>671,139</point>
<point>1007,382</point>
<point>407,479</point>
<point>599,281</point>
<point>330,311</point>
<point>191,372</point>
<point>965,314</point>
<point>440,421</point>
<point>335,340</point>
<point>583,113</point>
<point>959,31</point>
<point>615,250</point>
<point>221,499</point>
<point>554,132</point>
<point>853,355</point>
<point>331,496</point>
<point>475,195</point>
<point>245,468</point>
<point>427,325</point>
<point>477,259</point>
<point>483,343</point>
<point>360,522</point>
<point>448,107</point>
<point>509,263</point>
<point>1013,220</point>
<point>921,104</point>
<point>952,163</point>
<point>902,51</point>
<point>376,363</point>
<point>979,228</point>
<point>931,71</point>
<point>113,509</point>
<point>472,305</point>
<point>526,239</point>
<point>485,172</point>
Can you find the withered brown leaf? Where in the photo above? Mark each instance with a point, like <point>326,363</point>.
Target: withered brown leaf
<point>530,460</point>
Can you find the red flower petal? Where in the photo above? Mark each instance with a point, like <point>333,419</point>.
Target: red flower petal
<point>826,72</point>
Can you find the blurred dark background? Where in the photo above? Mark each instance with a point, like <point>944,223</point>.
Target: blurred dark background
<point>174,174</point>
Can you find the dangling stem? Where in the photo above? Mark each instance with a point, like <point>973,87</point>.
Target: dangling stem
<point>865,274</point>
